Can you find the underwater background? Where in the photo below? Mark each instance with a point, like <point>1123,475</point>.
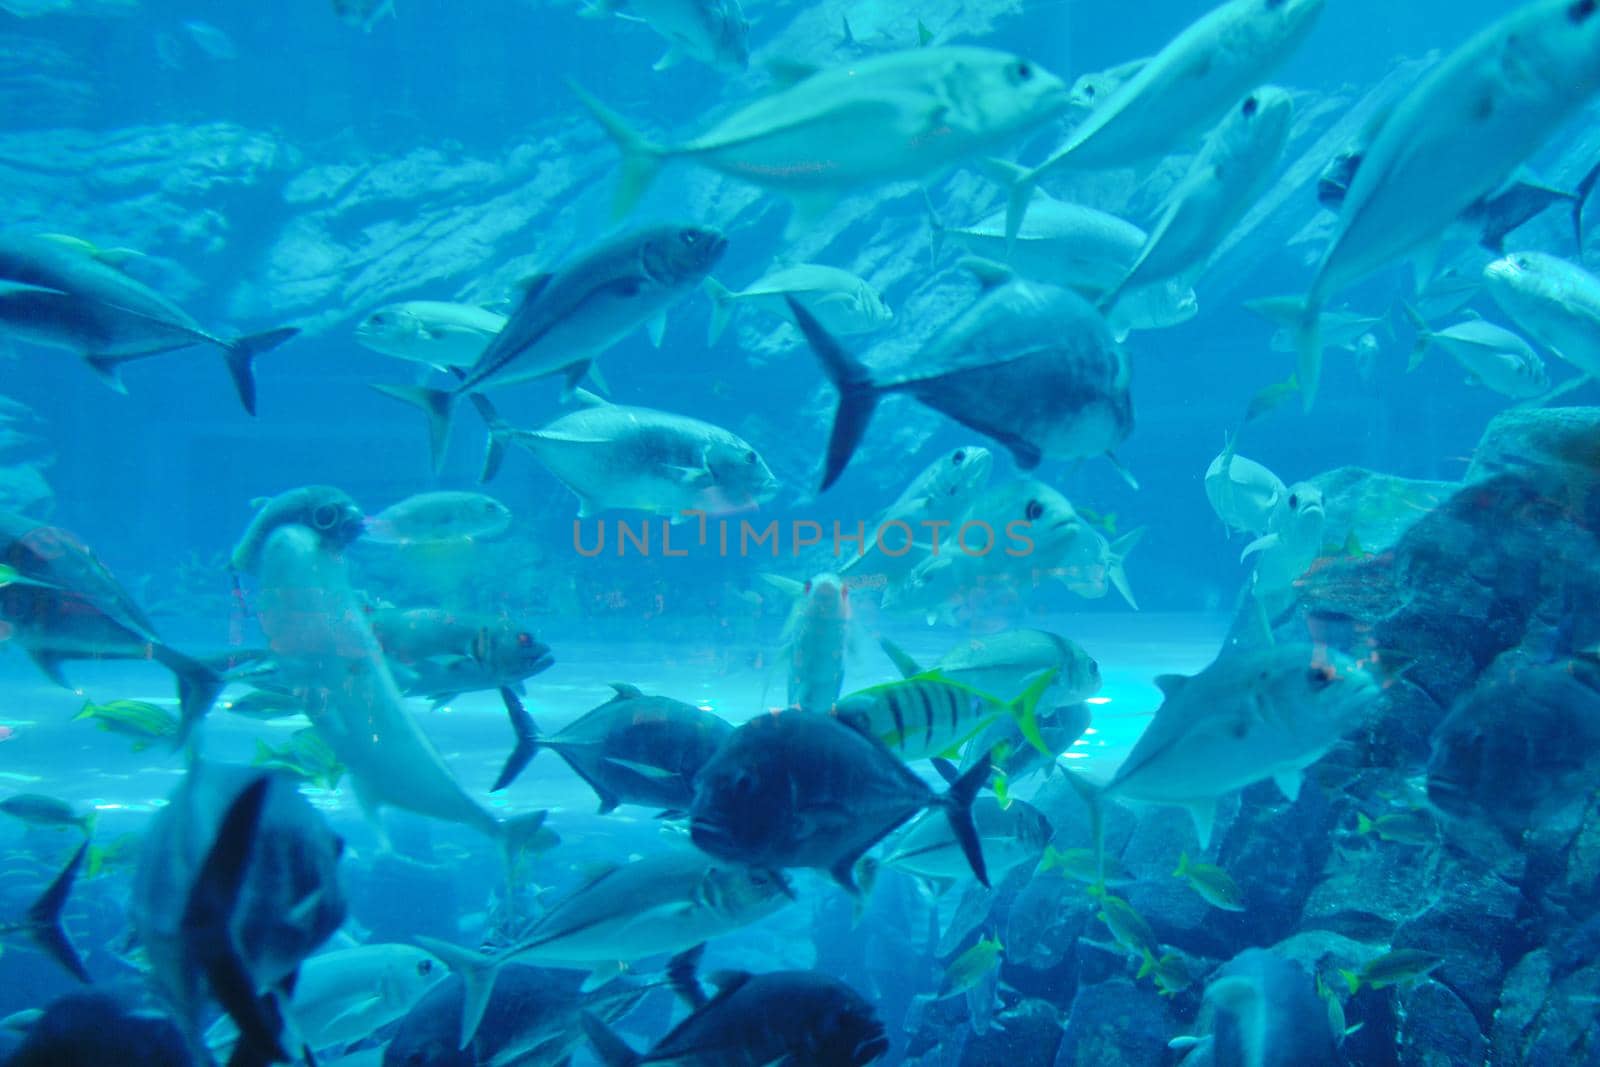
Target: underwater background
<point>275,165</point>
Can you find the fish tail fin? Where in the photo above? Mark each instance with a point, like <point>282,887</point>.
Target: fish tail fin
<point>198,687</point>
<point>903,663</point>
<point>1149,964</point>
<point>721,308</point>
<point>241,354</point>
<point>1585,187</point>
<point>858,396</point>
<point>89,822</point>
<point>611,1049</point>
<point>494,447</point>
<point>1351,979</point>
<point>1018,197</point>
<point>208,917</point>
<point>477,973</point>
<point>44,919</point>
<point>957,804</point>
<point>1183,865</point>
<point>1424,335</point>
<point>1363,823</point>
<point>436,404</point>
<point>1116,571</point>
<point>527,741</point>
<point>641,160</point>
<point>1025,709</point>
<point>1308,352</point>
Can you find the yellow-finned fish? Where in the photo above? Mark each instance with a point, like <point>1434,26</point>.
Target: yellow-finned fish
<point>930,715</point>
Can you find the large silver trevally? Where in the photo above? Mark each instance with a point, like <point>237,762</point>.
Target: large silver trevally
<point>1454,138</point>
<point>796,789</point>
<point>345,995</point>
<point>326,651</point>
<point>1491,355</point>
<point>433,332</point>
<point>237,884</point>
<point>713,32</point>
<point>1181,91</point>
<point>1244,494</point>
<point>65,605</point>
<point>1013,834</point>
<point>54,294</point>
<point>1079,248</point>
<point>1293,541</point>
<point>901,116</point>
<point>1555,300</point>
<point>1093,564</point>
<point>1251,715</point>
<point>1032,366</point>
<point>664,903</point>
<point>613,456</point>
<point>841,301</point>
<point>1222,183</point>
<point>570,316</point>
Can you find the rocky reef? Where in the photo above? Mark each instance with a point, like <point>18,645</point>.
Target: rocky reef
<point>1435,887</point>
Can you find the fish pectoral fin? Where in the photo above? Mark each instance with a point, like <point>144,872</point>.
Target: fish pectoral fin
<point>1288,782</point>
<point>690,477</point>
<point>1204,814</point>
<point>642,769</point>
<point>1260,544</point>
<point>19,288</point>
<point>360,1007</point>
<point>109,370</point>
<point>657,328</point>
<point>671,58</point>
<point>49,663</point>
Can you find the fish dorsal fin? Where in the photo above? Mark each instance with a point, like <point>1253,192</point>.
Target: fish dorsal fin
<point>728,982</point>
<point>1171,684</point>
<point>534,284</point>
<point>625,691</point>
<point>584,398</point>
<point>907,666</point>
<point>989,273</point>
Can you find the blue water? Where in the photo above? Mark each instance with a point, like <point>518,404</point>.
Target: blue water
<point>319,172</point>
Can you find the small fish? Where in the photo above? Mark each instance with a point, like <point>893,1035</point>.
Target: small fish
<point>123,851</point>
<point>816,639</point>
<point>306,755</point>
<point>1490,354</point>
<point>1414,827</point>
<point>713,32</point>
<point>1556,300</point>
<point>1398,967</point>
<point>941,492</point>
<point>930,715</point>
<point>266,704</point>
<point>1081,865</point>
<point>431,332</point>
<point>1126,925</point>
<point>36,809</point>
<point>138,719</point>
<point>1170,973</point>
<point>1242,492</point>
<point>969,968</point>
<point>439,518</point>
<point>842,302</point>
<point>1214,884</point>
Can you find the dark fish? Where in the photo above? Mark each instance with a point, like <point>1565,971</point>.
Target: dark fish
<point>532,1018</point>
<point>56,295</point>
<point>94,1030</point>
<point>797,789</point>
<point>570,316</point>
<point>79,611</point>
<point>237,884</point>
<point>1031,366</point>
<point>793,1018</point>
<point>633,749</point>
<point>42,923</point>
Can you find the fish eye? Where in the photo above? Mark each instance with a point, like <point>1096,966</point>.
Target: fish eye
<point>750,457</point>
<point>807,588</point>
<point>1294,501</point>
<point>425,968</point>
<point>1021,72</point>
<point>378,318</point>
<point>1581,10</point>
<point>1088,90</point>
<point>959,458</point>
<point>1251,106</point>
<point>1320,677</point>
<point>1033,510</point>
<point>325,517</point>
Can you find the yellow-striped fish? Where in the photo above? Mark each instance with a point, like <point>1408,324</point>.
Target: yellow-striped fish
<point>929,715</point>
